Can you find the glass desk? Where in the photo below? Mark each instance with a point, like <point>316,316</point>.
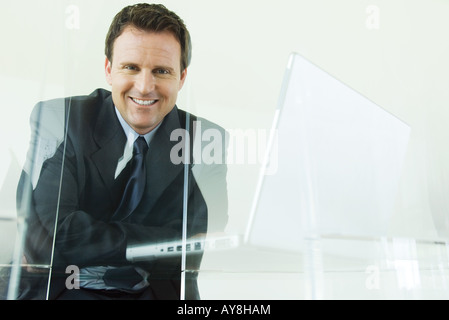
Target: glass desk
<point>330,267</point>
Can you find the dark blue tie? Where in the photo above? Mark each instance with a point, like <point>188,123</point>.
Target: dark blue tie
<point>136,184</point>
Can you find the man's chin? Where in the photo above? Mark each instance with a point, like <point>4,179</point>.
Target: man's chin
<point>145,127</point>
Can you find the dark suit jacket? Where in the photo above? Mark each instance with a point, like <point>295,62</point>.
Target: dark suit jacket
<point>77,192</point>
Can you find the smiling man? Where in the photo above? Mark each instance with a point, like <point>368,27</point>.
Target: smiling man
<point>146,75</point>
<point>89,195</point>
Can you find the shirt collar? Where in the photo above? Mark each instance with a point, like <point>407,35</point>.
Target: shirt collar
<point>133,135</point>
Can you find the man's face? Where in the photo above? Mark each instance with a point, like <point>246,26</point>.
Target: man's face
<point>145,75</point>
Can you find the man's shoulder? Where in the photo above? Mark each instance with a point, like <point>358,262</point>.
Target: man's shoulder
<point>97,97</point>
<point>198,122</point>
<point>85,109</point>
<point>98,94</point>
<point>78,106</point>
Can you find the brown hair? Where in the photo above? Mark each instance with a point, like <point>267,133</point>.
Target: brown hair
<point>150,17</point>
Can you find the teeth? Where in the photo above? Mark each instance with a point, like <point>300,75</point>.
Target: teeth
<point>144,102</point>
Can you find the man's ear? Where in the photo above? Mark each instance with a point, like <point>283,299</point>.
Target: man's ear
<point>183,79</point>
<point>108,71</point>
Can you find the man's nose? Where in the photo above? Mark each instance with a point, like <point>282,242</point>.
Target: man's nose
<point>145,82</point>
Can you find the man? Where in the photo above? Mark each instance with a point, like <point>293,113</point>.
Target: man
<point>80,178</point>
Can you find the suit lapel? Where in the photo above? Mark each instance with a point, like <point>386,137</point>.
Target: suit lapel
<point>161,171</point>
<point>111,141</point>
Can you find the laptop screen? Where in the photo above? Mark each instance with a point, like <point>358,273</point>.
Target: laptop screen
<point>339,159</point>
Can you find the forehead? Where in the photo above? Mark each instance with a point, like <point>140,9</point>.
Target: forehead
<point>146,46</point>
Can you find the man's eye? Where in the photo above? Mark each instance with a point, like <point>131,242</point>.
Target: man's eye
<point>131,68</point>
<point>162,71</point>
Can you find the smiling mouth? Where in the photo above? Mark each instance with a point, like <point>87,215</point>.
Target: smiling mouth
<point>144,102</point>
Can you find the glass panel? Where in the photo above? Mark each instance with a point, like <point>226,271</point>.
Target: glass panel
<point>31,134</point>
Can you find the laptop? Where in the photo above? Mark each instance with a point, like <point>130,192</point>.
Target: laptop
<point>339,160</point>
